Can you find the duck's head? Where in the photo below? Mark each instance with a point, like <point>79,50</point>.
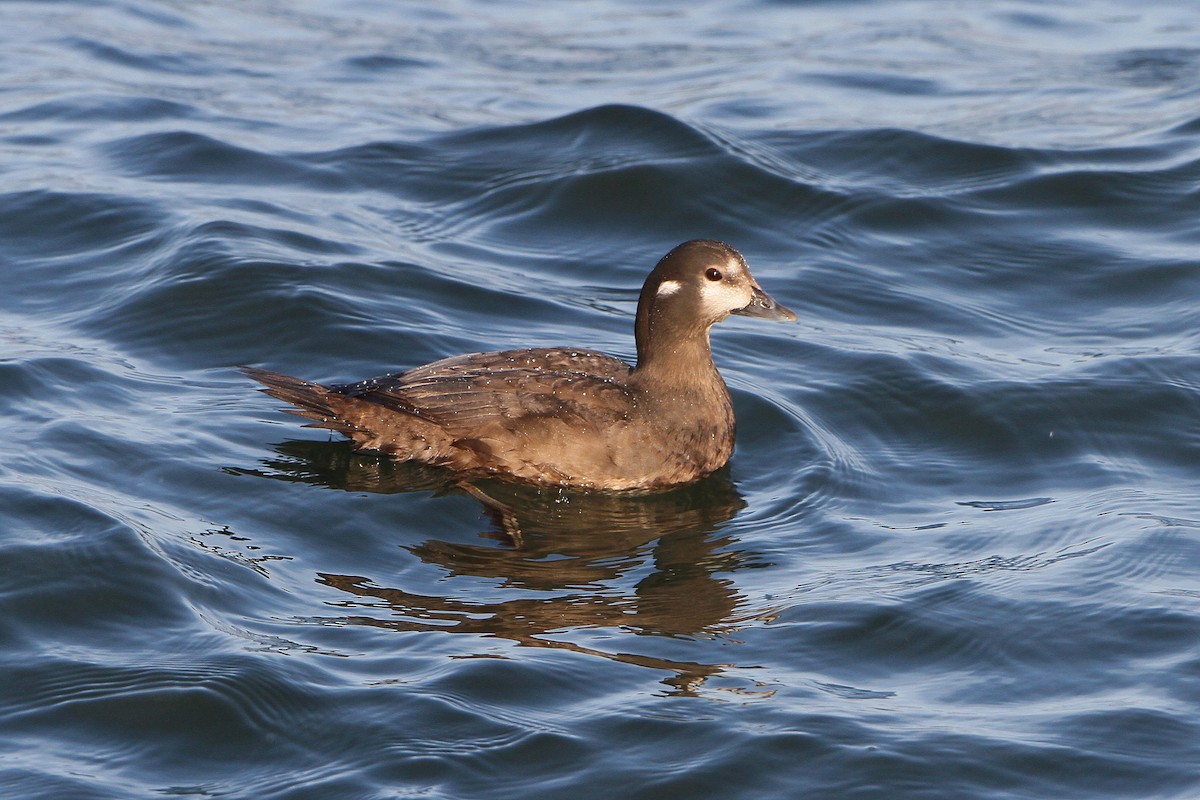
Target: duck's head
<point>695,286</point>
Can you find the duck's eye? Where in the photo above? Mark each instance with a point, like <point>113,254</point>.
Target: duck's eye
<point>713,274</point>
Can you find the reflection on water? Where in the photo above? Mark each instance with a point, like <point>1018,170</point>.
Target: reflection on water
<point>578,551</point>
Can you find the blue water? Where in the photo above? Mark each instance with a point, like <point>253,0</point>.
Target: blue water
<point>956,554</point>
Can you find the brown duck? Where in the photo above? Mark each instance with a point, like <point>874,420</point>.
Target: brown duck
<point>566,417</point>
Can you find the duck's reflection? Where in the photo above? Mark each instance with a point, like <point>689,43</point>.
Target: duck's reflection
<point>578,551</point>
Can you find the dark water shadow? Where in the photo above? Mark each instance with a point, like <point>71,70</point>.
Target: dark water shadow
<point>652,564</point>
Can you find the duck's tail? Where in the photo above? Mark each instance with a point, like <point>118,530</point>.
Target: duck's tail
<point>315,401</point>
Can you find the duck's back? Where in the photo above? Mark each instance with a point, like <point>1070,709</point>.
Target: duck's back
<point>509,393</point>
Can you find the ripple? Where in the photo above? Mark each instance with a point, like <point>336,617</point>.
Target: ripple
<point>101,108</point>
<point>178,63</point>
<point>46,225</point>
<point>954,554</point>
<point>188,156</point>
<point>1007,505</point>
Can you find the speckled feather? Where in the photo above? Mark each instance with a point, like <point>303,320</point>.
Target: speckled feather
<point>463,392</point>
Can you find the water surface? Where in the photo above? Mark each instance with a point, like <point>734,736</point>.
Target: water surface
<point>955,555</point>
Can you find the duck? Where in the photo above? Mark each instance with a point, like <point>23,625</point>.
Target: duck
<point>565,417</point>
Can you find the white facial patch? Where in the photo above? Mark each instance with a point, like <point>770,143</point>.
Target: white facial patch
<point>719,298</point>
<point>668,288</point>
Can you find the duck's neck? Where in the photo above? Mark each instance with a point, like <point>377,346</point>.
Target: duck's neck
<point>675,356</point>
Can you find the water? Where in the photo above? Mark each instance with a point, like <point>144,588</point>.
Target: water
<point>955,555</point>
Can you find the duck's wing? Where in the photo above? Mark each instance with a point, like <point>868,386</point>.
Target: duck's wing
<point>466,394</point>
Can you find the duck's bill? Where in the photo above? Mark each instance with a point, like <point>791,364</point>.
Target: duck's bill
<point>764,306</point>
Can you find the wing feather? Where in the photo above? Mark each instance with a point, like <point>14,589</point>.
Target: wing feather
<point>464,394</point>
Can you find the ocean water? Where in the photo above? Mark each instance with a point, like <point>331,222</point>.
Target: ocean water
<point>957,552</point>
